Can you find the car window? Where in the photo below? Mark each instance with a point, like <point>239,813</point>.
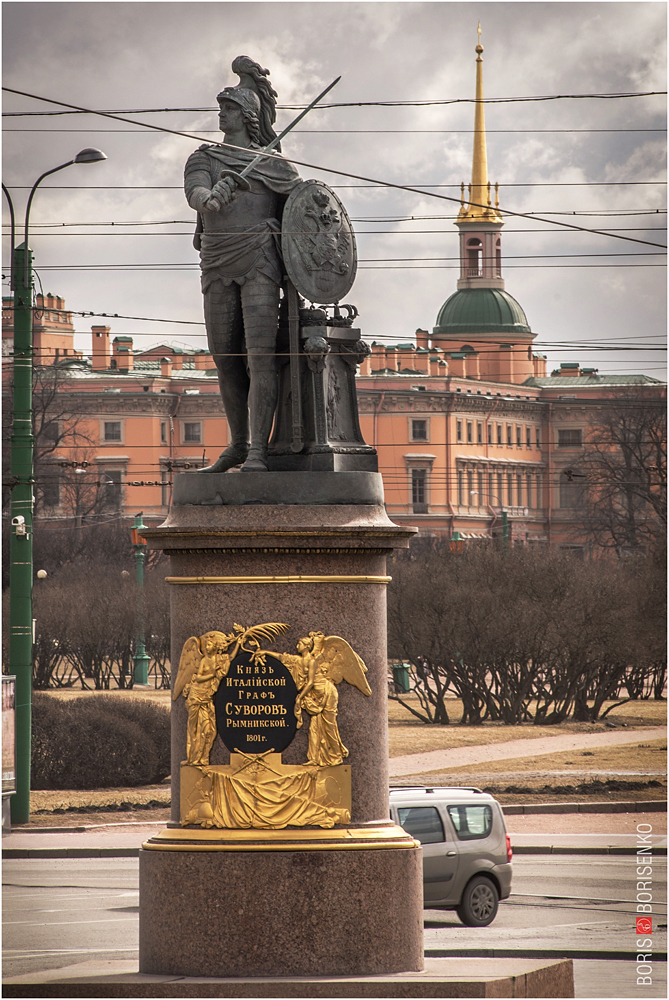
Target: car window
<point>423,823</point>
<point>471,822</point>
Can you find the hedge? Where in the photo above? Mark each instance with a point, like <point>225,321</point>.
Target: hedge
<point>98,742</point>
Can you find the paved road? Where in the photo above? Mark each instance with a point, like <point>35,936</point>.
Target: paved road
<point>62,912</point>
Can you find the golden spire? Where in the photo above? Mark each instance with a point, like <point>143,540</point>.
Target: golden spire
<point>479,207</point>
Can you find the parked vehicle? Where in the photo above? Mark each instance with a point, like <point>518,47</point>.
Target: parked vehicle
<point>466,849</point>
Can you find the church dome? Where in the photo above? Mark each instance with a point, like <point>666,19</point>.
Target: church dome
<point>481,310</point>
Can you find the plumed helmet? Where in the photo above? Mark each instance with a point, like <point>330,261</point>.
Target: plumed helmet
<point>248,100</point>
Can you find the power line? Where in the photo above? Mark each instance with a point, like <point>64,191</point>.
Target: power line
<point>367,220</point>
<point>344,104</point>
<point>359,131</point>
<point>339,173</point>
<point>362,265</point>
<point>455,186</point>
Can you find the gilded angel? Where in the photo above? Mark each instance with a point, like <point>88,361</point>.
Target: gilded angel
<point>322,663</point>
<point>204,662</point>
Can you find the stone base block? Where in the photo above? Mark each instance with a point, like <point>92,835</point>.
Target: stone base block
<point>442,977</point>
<point>301,912</point>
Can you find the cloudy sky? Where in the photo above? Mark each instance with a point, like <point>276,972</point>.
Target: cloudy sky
<point>115,237</point>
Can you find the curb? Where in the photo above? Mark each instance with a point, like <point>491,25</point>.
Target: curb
<point>565,849</point>
<point>607,956</point>
<point>527,809</point>
<point>12,853</point>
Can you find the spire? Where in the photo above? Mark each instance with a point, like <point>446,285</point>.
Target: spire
<point>479,189</point>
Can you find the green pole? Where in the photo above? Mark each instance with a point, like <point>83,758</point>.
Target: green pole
<point>140,659</point>
<point>21,541</point>
<point>505,529</point>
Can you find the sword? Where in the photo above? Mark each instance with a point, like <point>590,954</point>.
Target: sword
<point>242,175</point>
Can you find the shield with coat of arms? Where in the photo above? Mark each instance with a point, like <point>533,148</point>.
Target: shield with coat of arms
<point>318,243</point>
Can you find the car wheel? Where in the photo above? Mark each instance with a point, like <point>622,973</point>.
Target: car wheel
<point>478,906</point>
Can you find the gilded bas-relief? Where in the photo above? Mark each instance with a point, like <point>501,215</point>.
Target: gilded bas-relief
<point>256,700</point>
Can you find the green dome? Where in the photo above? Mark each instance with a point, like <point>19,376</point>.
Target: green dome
<point>481,310</point>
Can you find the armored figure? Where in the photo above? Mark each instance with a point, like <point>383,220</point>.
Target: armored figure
<point>242,271</point>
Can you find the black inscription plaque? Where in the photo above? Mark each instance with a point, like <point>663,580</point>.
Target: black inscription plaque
<point>255,706</point>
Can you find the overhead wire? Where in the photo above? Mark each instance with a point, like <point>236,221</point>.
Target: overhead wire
<point>339,104</point>
<point>357,131</point>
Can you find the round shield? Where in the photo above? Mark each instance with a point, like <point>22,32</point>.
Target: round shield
<point>318,243</point>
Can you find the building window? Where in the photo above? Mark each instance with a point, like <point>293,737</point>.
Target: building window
<point>192,432</point>
<point>509,483</point>
<point>538,436</point>
<point>419,430</point>
<point>50,487</point>
<point>461,487</point>
<point>518,440</point>
<point>499,433</point>
<point>479,433</point>
<point>164,488</point>
<point>528,437</point>
<point>509,439</point>
<point>489,433</point>
<point>112,430</point>
<point>498,258</point>
<point>470,488</point>
<point>50,431</point>
<point>569,439</point>
<point>469,432</point>
<point>458,426</point>
<point>474,258</point>
<point>481,496</point>
<point>163,432</point>
<point>491,488</point>
<point>500,489</point>
<point>572,492</point>
<point>530,502</point>
<point>519,487</point>
<point>539,488</point>
<point>419,490</point>
<point>111,487</point>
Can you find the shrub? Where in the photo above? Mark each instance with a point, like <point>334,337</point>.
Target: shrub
<point>98,742</point>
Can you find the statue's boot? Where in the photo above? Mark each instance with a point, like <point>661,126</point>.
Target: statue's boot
<point>256,462</point>
<point>262,403</point>
<point>233,455</point>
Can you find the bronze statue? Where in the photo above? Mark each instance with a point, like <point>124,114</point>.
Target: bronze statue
<point>238,238</point>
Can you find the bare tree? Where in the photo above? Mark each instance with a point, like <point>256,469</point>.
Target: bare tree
<point>524,636</point>
<point>625,464</point>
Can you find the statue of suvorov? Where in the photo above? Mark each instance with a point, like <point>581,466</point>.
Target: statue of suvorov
<point>242,270</point>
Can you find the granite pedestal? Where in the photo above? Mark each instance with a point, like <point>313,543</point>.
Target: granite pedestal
<point>292,548</point>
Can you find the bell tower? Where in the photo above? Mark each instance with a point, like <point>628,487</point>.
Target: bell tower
<point>479,221</point>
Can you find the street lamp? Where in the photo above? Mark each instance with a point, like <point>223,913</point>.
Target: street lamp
<point>505,517</point>
<point>141,660</point>
<point>22,479</point>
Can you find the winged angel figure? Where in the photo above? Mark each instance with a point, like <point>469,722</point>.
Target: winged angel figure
<point>204,661</point>
<point>322,663</point>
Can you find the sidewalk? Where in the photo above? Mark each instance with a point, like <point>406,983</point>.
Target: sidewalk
<point>436,760</point>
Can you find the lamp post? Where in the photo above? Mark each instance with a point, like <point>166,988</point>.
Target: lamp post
<point>505,517</point>
<point>20,549</point>
<point>140,659</point>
